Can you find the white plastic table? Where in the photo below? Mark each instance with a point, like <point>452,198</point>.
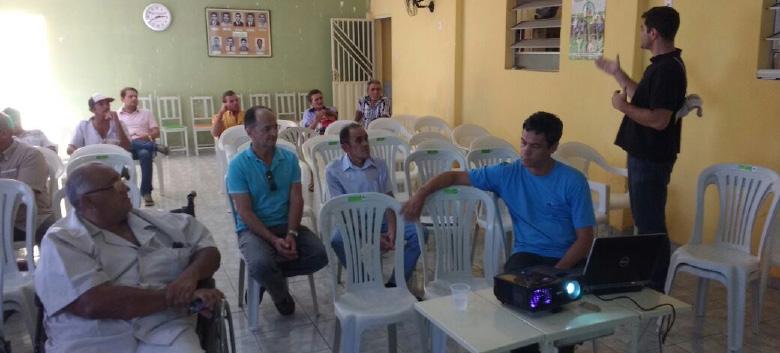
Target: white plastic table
<point>484,327</point>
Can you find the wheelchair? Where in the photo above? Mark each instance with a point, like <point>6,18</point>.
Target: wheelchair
<point>216,333</point>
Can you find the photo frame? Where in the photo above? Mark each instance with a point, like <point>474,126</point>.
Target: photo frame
<point>239,33</point>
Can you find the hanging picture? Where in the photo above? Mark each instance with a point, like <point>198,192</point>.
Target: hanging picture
<point>238,33</point>
<point>587,29</point>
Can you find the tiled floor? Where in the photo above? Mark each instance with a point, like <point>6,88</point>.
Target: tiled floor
<point>306,332</point>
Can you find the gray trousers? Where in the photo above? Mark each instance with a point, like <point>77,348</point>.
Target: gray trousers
<point>270,269</point>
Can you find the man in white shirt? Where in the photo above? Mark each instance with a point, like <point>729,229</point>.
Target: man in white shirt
<point>116,279</point>
<point>143,129</point>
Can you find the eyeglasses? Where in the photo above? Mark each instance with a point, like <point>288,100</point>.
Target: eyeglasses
<point>117,185</point>
<point>269,178</point>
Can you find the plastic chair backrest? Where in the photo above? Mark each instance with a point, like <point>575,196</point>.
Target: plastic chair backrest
<point>421,137</point>
<point>262,99</point>
<point>453,212</point>
<point>742,189</point>
<point>335,127</point>
<point>358,218</point>
<point>286,106</point>
<point>285,124</point>
<point>13,194</point>
<point>297,135</point>
<point>201,108</point>
<point>322,154</point>
<point>230,139</point>
<point>463,135</point>
<point>309,144</point>
<point>407,121</point>
<point>303,103</point>
<point>390,149</point>
<point>391,125</point>
<point>490,156</point>
<point>100,148</point>
<point>169,111</point>
<point>116,161</point>
<point>432,123</point>
<point>103,150</point>
<point>490,141</point>
<point>431,163</point>
<point>56,167</point>
<point>436,144</point>
<point>579,155</point>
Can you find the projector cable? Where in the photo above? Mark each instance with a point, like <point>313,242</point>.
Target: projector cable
<point>662,331</point>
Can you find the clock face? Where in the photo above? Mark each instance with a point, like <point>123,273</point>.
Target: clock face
<point>157,17</point>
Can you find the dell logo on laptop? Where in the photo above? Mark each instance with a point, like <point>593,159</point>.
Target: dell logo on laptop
<point>624,262</point>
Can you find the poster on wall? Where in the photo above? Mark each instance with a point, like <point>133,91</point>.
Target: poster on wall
<point>587,29</point>
<point>238,33</point>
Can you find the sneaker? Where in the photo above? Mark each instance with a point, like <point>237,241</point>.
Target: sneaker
<point>163,149</point>
<point>148,201</point>
<point>286,306</point>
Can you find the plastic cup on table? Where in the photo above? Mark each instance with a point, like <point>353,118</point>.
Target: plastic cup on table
<point>460,295</point>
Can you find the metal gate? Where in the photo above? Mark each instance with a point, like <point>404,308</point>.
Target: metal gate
<point>352,62</point>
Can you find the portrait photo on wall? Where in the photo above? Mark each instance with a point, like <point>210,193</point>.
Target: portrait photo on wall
<point>238,33</point>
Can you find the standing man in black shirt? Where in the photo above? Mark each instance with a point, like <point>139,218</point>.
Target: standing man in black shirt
<point>649,132</point>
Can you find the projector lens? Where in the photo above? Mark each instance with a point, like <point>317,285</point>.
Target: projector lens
<point>573,289</point>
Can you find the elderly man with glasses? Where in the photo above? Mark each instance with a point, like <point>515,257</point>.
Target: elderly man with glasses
<point>264,183</point>
<point>117,279</point>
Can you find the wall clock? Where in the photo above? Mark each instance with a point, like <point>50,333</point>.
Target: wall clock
<point>157,17</point>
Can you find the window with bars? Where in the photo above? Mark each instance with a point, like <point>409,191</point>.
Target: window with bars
<point>534,34</point>
<point>771,68</point>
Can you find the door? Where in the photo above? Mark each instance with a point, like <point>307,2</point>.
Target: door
<point>352,62</point>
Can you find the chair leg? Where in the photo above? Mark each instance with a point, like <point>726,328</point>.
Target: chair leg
<point>186,143</point>
<point>701,296</point>
<point>241,275</point>
<point>392,338</point>
<point>350,337</point>
<point>160,176</point>
<point>314,295</point>
<point>758,300</point>
<point>736,313</point>
<point>337,337</point>
<point>253,303</point>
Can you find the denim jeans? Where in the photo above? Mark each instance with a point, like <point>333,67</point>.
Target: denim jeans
<point>144,152</point>
<point>647,183</point>
<point>411,249</point>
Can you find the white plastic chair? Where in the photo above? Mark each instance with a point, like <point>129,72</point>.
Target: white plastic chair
<point>406,120</point>
<point>170,115</point>
<point>463,135</point>
<point>335,127</point>
<point>366,302</point>
<point>430,163</point>
<point>453,212</point>
<point>487,157</point>
<point>262,99</point>
<point>116,161</point>
<point>392,125</point>
<point>303,103</point>
<point>201,108</point>
<point>18,287</point>
<point>393,151</point>
<point>490,141</point>
<point>436,144</point>
<point>286,106</point>
<point>145,102</point>
<point>432,123</point>
<point>421,137</point>
<point>742,189</point>
<point>297,135</point>
<point>580,156</point>
<point>285,124</point>
<point>253,288</point>
<point>105,148</point>
<point>56,169</point>
<point>322,154</point>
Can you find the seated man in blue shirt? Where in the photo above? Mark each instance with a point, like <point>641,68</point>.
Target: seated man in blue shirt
<point>357,172</point>
<point>548,201</point>
<point>264,183</point>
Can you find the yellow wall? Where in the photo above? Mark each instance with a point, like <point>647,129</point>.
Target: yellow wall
<point>721,48</point>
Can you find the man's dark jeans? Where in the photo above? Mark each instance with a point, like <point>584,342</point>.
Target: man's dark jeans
<point>647,184</point>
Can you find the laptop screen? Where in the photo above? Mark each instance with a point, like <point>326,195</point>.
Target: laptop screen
<point>616,263</point>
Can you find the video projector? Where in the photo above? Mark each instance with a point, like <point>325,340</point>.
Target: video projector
<point>537,289</point>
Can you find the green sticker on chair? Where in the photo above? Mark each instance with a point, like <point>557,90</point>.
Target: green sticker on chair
<point>431,152</point>
<point>380,139</point>
<point>486,151</point>
<point>746,168</point>
<point>356,198</point>
<point>101,156</point>
<point>451,191</point>
<point>332,143</point>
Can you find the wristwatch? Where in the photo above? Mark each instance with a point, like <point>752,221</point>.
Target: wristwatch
<point>294,233</point>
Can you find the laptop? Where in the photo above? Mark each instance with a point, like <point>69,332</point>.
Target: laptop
<point>621,264</point>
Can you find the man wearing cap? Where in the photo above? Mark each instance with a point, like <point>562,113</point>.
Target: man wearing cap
<point>30,137</point>
<point>143,129</point>
<point>22,162</point>
<point>103,127</point>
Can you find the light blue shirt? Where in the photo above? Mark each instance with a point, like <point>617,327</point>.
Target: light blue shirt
<point>309,114</point>
<point>343,177</point>
<point>247,175</point>
<point>545,209</point>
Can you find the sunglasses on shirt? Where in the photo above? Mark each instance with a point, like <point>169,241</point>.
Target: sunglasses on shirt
<point>269,178</point>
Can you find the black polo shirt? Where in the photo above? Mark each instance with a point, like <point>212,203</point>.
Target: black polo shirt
<point>662,86</point>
